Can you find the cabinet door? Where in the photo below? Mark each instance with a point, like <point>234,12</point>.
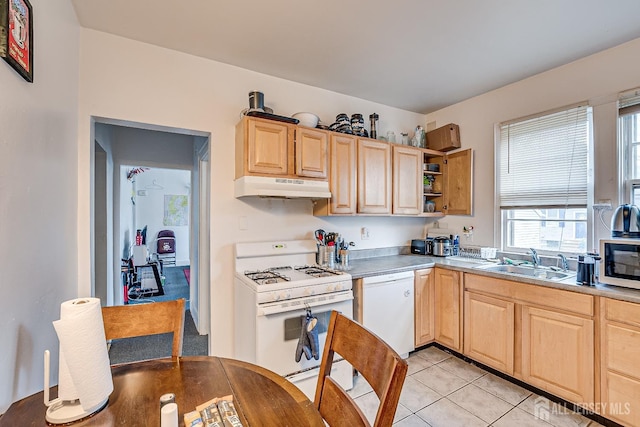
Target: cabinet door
<point>620,352</point>
<point>343,175</point>
<point>407,180</point>
<point>424,307</point>
<point>621,373</point>
<point>448,303</point>
<point>374,177</point>
<point>311,150</point>
<point>267,147</point>
<point>558,353</point>
<point>489,330</point>
<point>458,190</point>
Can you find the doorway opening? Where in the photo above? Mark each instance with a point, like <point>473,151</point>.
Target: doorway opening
<point>176,160</point>
<point>158,263</point>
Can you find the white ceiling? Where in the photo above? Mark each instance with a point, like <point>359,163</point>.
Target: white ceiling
<point>418,55</point>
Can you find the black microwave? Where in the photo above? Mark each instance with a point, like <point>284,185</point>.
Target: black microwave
<point>620,262</point>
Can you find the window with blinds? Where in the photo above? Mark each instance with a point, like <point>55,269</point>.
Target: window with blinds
<point>629,126</point>
<point>542,181</point>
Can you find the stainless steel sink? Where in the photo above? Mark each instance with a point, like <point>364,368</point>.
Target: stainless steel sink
<point>538,272</point>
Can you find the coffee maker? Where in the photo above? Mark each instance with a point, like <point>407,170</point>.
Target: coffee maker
<point>588,269</point>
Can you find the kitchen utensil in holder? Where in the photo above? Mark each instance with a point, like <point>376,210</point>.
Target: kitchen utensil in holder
<point>331,255</point>
<point>321,258</point>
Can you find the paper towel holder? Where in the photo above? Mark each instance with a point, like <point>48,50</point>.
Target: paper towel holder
<point>64,411</point>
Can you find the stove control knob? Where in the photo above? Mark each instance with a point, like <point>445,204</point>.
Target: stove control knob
<point>331,287</point>
<point>283,295</point>
<point>338,287</point>
<point>274,297</point>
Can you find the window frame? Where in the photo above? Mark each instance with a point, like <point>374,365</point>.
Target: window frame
<point>626,143</point>
<point>501,219</point>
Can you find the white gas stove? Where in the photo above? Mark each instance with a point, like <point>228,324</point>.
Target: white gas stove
<point>276,284</point>
<point>292,282</point>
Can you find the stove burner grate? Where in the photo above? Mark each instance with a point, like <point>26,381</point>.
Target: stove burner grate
<point>266,277</point>
<point>316,271</point>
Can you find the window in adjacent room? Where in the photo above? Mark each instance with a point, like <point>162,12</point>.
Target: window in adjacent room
<point>629,131</point>
<point>542,181</point>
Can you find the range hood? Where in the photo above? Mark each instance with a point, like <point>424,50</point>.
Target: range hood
<point>285,188</point>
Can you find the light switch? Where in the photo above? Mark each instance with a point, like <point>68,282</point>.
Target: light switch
<point>243,224</point>
<point>364,233</point>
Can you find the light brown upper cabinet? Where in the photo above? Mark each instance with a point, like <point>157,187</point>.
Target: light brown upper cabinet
<point>458,183</point>
<point>311,152</point>
<point>374,177</point>
<point>271,148</point>
<point>407,182</point>
<point>451,191</point>
<point>342,177</point>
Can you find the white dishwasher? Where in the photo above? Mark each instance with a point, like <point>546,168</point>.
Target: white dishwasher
<point>387,309</point>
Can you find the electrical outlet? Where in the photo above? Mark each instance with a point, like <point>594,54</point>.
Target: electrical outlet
<point>603,206</point>
<point>364,233</point>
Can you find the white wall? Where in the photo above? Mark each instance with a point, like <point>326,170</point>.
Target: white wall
<point>156,184</point>
<point>128,80</point>
<point>38,200</point>
<point>597,79</point>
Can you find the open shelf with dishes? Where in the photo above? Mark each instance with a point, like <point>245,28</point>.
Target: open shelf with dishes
<point>433,183</point>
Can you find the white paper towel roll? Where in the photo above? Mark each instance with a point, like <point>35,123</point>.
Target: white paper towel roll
<point>85,373</point>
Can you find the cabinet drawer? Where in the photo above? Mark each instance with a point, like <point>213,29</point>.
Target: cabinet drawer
<point>531,294</point>
<point>622,311</point>
<point>623,350</point>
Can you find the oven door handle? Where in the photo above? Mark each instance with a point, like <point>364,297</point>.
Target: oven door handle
<point>300,304</point>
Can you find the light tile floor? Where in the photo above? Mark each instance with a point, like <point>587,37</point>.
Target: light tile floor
<point>442,390</point>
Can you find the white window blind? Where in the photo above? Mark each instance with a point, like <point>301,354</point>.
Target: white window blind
<point>543,161</point>
<point>629,103</point>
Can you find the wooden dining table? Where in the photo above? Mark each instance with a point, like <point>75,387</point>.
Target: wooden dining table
<point>261,397</point>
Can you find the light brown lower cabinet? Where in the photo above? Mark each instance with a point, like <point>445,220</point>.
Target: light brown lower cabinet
<point>424,306</point>
<point>448,308</point>
<point>558,353</point>
<point>620,361</point>
<point>582,348</point>
<point>543,336</point>
<point>489,330</point>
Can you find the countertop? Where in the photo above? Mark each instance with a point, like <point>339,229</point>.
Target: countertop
<point>374,266</point>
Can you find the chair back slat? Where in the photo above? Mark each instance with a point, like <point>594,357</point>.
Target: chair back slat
<point>374,359</point>
<point>128,321</point>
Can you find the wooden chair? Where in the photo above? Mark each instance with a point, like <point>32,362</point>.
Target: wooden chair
<point>128,321</point>
<point>374,359</point>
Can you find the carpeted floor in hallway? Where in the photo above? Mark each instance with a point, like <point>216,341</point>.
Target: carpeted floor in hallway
<point>155,346</point>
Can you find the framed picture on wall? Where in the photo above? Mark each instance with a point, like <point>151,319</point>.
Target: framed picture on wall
<point>16,36</point>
